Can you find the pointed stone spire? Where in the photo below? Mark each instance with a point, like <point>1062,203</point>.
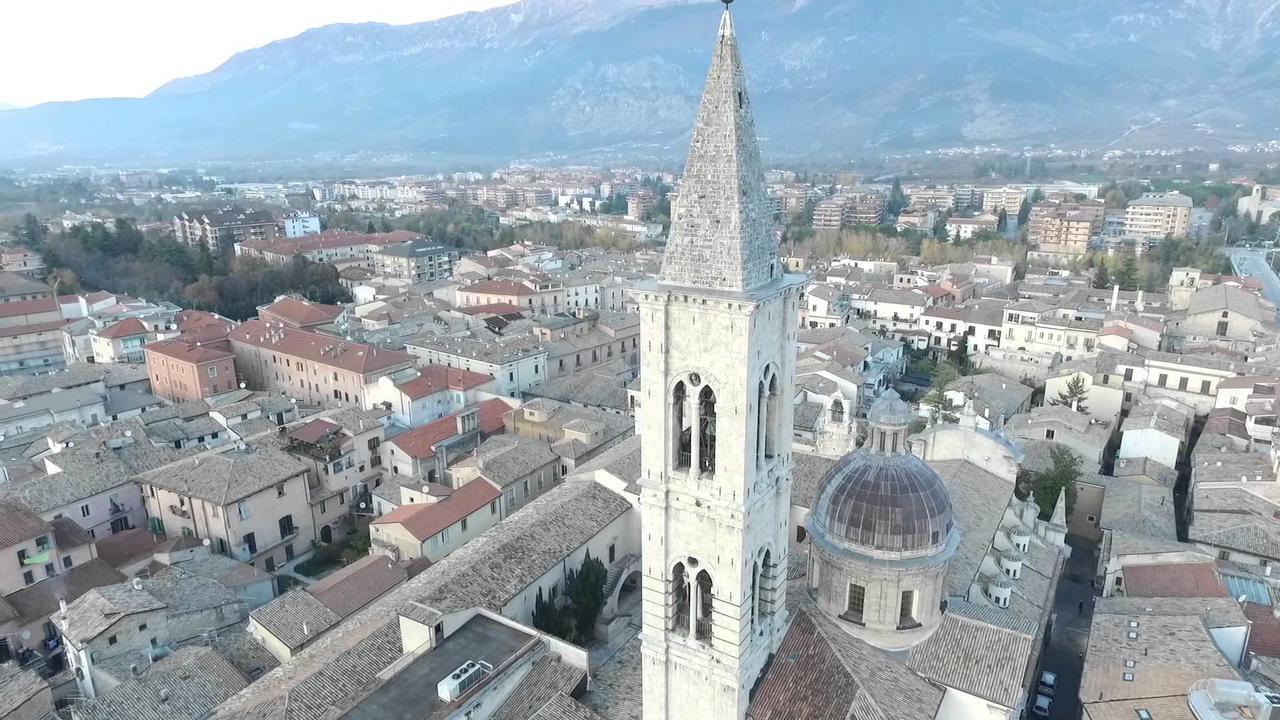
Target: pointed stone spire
<point>721,226</point>
<point>1060,509</point>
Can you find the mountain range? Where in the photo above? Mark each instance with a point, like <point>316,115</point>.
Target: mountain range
<point>621,78</point>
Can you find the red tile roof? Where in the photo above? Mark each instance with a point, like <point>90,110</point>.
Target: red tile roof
<point>125,328</point>
<point>1173,580</point>
<point>329,239</point>
<point>424,520</point>
<point>322,349</point>
<point>1264,633</point>
<point>315,430</point>
<point>197,353</point>
<point>417,443</point>
<point>299,313</point>
<point>28,307</point>
<point>435,378</point>
<point>499,287</point>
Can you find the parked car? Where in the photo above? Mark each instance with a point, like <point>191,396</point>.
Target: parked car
<point>1048,683</point>
<point>1041,707</point>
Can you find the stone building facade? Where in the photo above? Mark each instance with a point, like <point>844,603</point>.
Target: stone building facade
<point>718,357</point>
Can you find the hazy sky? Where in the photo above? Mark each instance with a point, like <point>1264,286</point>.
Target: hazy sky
<point>74,49</point>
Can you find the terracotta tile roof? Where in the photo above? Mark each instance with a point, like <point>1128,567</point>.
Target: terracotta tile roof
<point>299,313</point>
<point>417,442</point>
<point>500,287</point>
<point>329,239</point>
<point>358,584</point>
<point>434,378</point>
<point>1173,580</point>
<point>198,353</point>
<point>424,520</point>
<point>315,430</point>
<point>125,328</point>
<point>322,349</point>
<point>1264,633</point>
<point>27,307</point>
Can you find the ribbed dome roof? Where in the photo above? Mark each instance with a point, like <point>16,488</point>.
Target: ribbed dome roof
<point>883,503</point>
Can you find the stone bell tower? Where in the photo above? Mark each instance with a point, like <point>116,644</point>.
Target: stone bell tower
<point>717,367</point>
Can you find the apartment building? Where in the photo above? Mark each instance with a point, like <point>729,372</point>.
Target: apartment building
<point>542,298</point>
<point>314,369</point>
<point>217,229</point>
<point>1154,216</point>
<point>587,339</point>
<point>1009,199</point>
<point>865,207</point>
<point>343,452</point>
<point>120,342</point>
<point>182,371</point>
<point>421,395</point>
<point>1065,228</point>
<point>962,228</point>
<point>15,287</point>
<point>640,203</point>
<point>252,502</point>
<point>414,261</point>
<point>574,434</point>
<point>336,247</point>
<point>300,224</point>
<point>1038,327</point>
<point>517,363</point>
<point>930,196</point>
<point>435,528</point>
<point>298,313</point>
<point>1222,317</point>
<point>521,468</point>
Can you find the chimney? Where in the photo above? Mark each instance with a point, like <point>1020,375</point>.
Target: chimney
<point>62,605</point>
<point>1115,296</point>
<point>137,583</point>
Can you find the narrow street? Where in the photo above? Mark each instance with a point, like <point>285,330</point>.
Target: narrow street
<point>1073,607</point>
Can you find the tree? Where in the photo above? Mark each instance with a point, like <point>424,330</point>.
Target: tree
<point>33,231</point>
<point>371,228</point>
<point>1024,213</point>
<point>1074,395</point>
<point>584,590</point>
<point>1127,276</point>
<point>386,225</point>
<point>1061,475</point>
<point>897,199</point>
<point>550,619</point>
<point>64,282</point>
<point>1101,277</point>
<point>935,401</point>
<point>1002,220</point>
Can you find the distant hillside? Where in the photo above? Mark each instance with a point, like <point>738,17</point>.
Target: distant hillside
<point>829,77</point>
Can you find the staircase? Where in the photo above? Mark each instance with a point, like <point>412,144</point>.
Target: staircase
<point>617,572</point>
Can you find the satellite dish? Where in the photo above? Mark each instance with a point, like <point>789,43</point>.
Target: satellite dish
<point>205,542</point>
<point>26,634</point>
<point>241,386</point>
<point>362,506</point>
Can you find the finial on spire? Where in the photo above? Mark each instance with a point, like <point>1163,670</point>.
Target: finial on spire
<point>727,3</point>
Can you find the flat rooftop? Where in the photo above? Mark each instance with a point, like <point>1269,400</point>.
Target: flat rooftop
<point>411,693</point>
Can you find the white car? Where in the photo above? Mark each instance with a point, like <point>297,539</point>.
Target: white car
<point>1048,683</point>
<point>1041,707</point>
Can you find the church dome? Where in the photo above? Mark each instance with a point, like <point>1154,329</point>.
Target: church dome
<point>884,503</point>
<point>881,498</point>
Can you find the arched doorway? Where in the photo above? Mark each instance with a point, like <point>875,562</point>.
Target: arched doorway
<point>326,534</point>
